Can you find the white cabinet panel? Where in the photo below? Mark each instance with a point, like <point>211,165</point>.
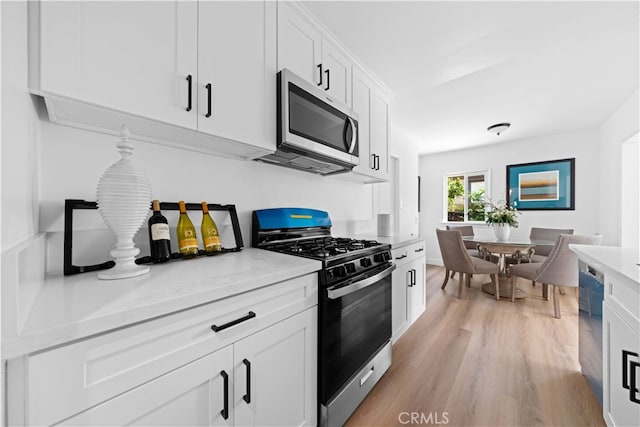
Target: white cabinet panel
<point>193,395</point>
<point>129,56</point>
<point>399,313</point>
<point>408,287</point>
<point>299,44</point>
<point>275,382</point>
<point>373,116</point>
<point>621,367</point>
<point>236,70</point>
<point>337,70</point>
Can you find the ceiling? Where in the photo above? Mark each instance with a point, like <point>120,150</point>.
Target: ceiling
<point>458,67</point>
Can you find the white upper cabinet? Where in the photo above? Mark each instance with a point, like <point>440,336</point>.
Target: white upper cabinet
<point>373,113</point>
<point>336,70</point>
<point>149,64</point>
<point>299,44</point>
<point>303,50</point>
<point>133,57</point>
<point>236,70</point>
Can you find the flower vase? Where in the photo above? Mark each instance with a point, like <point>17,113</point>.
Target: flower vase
<point>124,197</point>
<point>502,231</point>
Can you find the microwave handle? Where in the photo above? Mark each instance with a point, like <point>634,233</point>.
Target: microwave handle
<point>352,145</point>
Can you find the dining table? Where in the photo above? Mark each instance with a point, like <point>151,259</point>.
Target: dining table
<point>518,247</point>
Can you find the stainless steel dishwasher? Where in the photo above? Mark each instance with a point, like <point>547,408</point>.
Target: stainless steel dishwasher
<point>591,283</point>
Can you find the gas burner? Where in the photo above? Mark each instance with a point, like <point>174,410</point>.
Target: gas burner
<point>320,252</point>
<point>355,245</point>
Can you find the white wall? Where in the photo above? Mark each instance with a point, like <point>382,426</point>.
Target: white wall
<point>623,124</point>
<point>583,145</point>
<point>630,188</point>
<point>406,152</point>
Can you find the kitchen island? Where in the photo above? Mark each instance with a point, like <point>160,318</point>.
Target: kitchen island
<point>620,330</point>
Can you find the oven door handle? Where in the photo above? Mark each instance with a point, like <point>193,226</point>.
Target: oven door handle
<point>336,292</point>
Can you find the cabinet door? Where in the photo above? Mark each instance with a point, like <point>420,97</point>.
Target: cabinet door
<point>299,44</point>
<point>336,68</point>
<point>193,395</point>
<point>128,56</point>
<point>379,136</point>
<point>236,70</point>
<point>416,297</point>
<point>400,280</point>
<point>621,367</point>
<point>275,374</point>
<point>361,103</point>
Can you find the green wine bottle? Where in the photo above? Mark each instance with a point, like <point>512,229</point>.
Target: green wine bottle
<point>187,240</point>
<point>209,230</point>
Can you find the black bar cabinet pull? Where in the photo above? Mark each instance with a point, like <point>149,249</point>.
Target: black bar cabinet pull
<point>629,382</point>
<point>247,397</point>
<point>377,162</point>
<point>217,328</point>
<point>632,382</point>
<point>327,73</point>
<point>400,257</point>
<point>190,84</point>
<point>373,161</point>
<point>410,278</point>
<point>419,250</point>
<point>225,409</point>
<point>208,86</point>
<point>320,68</point>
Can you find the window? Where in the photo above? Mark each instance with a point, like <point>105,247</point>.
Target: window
<point>464,196</point>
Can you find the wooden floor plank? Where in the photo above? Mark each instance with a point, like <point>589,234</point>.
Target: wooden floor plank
<point>482,362</point>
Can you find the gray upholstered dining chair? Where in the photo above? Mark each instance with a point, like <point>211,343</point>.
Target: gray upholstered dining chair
<point>541,252</point>
<point>559,269</point>
<point>472,247</point>
<point>456,259</point>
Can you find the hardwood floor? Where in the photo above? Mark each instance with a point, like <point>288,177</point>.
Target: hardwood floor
<point>482,362</point>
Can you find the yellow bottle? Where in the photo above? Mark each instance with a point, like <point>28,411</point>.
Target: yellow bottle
<point>209,230</point>
<point>187,240</point>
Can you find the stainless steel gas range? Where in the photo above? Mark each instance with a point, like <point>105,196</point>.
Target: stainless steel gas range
<point>354,306</point>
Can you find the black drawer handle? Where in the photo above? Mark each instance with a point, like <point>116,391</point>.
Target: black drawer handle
<point>217,328</point>
<point>629,381</point>
<point>247,397</point>
<point>400,257</point>
<point>419,250</point>
<point>208,86</point>
<point>632,382</point>
<point>225,409</point>
<point>189,90</point>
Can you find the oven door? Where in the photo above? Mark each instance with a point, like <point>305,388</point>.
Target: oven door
<point>311,122</point>
<point>355,322</point>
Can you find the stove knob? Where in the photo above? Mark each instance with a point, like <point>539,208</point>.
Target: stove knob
<point>365,262</point>
<point>387,256</point>
<point>351,268</point>
<point>339,271</point>
<point>378,257</point>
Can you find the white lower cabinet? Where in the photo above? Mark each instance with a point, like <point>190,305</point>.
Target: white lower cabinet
<point>408,297</point>
<point>193,395</point>
<point>265,380</point>
<point>275,374</point>
<point>621,369</point>
<point>245,360</point>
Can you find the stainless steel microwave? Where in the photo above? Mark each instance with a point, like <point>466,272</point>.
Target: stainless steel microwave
<point>315,132</point>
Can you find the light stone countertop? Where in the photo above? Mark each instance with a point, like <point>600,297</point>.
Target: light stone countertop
<point>394,241</point>
<point>623,260</point>
<point>73,307</point>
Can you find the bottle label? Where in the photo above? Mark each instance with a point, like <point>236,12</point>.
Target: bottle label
<point>160,232</point>
<point>188,243</point>
<point>212,242</point>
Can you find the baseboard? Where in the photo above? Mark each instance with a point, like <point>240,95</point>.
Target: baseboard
<point>435,261</point>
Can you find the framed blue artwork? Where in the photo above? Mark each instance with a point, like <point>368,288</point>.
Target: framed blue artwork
<point>542,186</point>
